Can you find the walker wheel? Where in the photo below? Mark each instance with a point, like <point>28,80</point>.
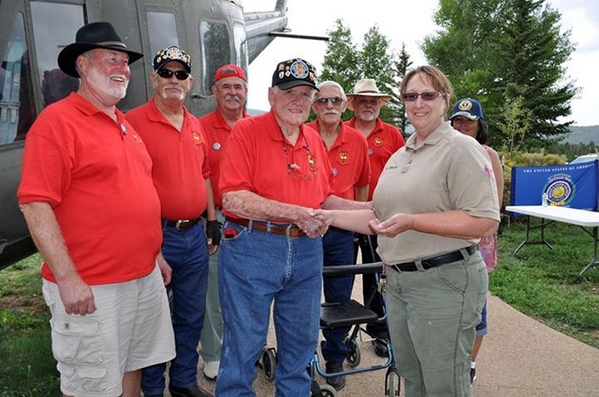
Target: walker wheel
<point>354,356</point>
<point>327,390</point>
<point>392,385</point>
<point>269,363</point>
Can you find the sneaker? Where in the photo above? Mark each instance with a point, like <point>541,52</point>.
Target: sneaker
<point>472,375</point>
<point>211,369</point>
<point>380,348</point>
<point>338,382</point>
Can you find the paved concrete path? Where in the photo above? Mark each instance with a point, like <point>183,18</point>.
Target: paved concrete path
<point>520,357</point>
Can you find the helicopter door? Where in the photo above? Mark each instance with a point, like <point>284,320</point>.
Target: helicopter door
<point>14,94</point>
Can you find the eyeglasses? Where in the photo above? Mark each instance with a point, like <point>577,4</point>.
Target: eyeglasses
<point>335,101</point>
<point>426,96</point>
<point>167,74</point>
<point>294,169</point>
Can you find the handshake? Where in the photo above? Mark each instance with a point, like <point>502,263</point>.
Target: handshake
<point>314,223</point>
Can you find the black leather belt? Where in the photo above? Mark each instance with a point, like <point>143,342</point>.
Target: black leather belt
<point>290,230</point>
<point>435,261</point>
<point>182,224</point>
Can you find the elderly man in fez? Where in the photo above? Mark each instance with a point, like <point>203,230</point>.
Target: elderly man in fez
<point>90,203</point>
<point>275,171</point>
<point>177,144</point>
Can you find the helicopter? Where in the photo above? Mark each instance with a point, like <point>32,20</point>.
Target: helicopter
<point>33,32</point>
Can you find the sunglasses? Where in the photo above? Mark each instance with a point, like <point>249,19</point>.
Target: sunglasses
<point>167,74</point>
<point>426,96</point>
<point>335,101</point>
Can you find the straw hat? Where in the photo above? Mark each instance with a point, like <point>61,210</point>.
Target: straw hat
<point>366,87</point>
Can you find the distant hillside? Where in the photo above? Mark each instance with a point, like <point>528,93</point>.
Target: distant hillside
<point>585,135</point>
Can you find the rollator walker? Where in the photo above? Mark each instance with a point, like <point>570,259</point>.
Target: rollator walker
<point>345,314</point>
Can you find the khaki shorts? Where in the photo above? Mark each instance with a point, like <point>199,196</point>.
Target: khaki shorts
<point>131,329</point>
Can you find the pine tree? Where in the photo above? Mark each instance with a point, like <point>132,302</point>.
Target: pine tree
<point>341,60</point>
<point>499,51</point>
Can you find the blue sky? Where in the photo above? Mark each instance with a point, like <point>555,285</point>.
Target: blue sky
<point>410,25</point>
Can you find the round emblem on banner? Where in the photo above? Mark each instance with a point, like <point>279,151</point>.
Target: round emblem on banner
<point>216,146</point>
<point>560,190</point>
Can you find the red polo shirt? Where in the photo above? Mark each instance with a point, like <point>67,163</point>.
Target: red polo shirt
<point>96,175</point>
<point>384,140</point>
<point>257,159</point>
<point>349,158</point>
<point>217,133</point>
<point>180,160</point>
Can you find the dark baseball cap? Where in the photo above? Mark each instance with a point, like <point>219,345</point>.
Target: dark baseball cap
<point>469,108</point>
<point>172,53</point>
<point>293,73</point>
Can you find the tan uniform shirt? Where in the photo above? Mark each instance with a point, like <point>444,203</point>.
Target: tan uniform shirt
<point>450,171</point>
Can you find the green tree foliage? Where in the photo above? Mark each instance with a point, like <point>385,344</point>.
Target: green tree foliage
<point>376,62</point>
<point>515,122</point>
<point>402,65</point>
<point>346,64</point>
<point>341,58</point>
<point>499,51</point>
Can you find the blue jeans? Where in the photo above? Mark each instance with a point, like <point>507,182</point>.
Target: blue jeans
<point>255,270</point>
<point>186,252</point>
<point>338,248</point>
<point>481,328</point>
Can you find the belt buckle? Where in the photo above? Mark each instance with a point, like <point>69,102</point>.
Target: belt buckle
<point>288,230</point>
<point>180,222</point>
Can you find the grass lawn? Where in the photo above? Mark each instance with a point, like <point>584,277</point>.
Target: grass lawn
<point>28,366</point>
<point>540,282</point>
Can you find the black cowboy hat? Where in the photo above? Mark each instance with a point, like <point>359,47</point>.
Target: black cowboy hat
<point>93,35</point>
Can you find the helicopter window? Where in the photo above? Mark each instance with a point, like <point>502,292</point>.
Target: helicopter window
<point>162,28</point>
<point>17,111</point>
<point>54,26</point>
<point>240,45</point>
<point>215,50</point>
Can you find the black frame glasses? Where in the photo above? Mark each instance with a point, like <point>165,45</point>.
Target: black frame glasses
<point>335,101</point>
<point>167,74</point>
<point>426,96</point>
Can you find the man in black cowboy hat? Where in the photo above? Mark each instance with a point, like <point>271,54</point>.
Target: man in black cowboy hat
<point>89,200</point>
